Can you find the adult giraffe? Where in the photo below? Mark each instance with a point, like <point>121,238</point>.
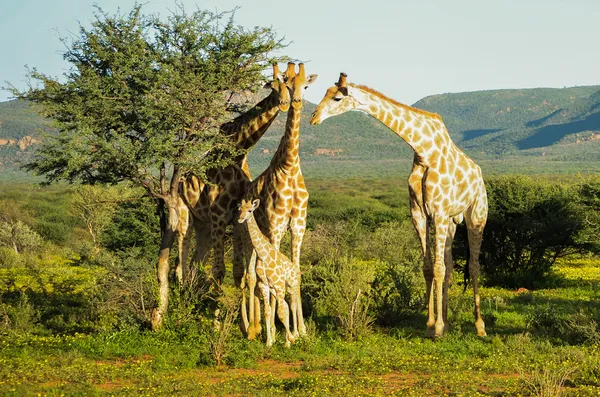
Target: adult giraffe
<point>445,186</point>
<point>283,194</point>
<point>209,207</point>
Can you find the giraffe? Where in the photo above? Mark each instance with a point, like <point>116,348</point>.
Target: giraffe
<point>282,193</point>
<point>275,272</point>
<point>445,187</point>
<point>209,207</point>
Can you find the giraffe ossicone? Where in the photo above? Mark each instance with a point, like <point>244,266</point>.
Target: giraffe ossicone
<point>445,187</point>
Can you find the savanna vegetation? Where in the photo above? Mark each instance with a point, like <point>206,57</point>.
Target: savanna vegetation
<point>140,108</point>
<point>77,284</point>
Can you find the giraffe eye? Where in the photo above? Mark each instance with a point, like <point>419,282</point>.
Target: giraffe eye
<point>337,98</point>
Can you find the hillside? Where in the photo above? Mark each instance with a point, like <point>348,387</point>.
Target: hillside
<point>20,130</point>
<point>521,122</point>
<point>541,130</point>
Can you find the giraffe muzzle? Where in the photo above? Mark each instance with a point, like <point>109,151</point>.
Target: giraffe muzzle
<point>315,119</point>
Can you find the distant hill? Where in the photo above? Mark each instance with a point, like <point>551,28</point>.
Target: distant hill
<point>524,130</point>
<point>520,122</point>
<point>20,130</point>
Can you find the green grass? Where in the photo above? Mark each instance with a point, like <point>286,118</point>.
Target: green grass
<point>396,361</point>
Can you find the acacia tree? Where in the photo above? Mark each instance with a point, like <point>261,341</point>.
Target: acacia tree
<point>143,102</point>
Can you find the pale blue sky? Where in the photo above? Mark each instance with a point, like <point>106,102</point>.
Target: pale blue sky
<point>405,49</point>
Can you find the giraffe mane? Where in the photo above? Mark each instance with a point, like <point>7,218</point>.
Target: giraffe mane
<point>395,102</point>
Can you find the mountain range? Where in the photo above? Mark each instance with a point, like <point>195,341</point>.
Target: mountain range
<point>538,130</point>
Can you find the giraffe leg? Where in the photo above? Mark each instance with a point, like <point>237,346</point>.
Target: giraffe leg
<point>476,218</point>
<point>254,308</point>
<point>294,290</point>
<point>422,227</point>
<point>283,312</point>
<point>184,233</point>
<point>239,271</point>
<point>298,228</point>
<point>264,288</point>
<point>449,269</point>
<point>419,218</point>
<point>273,305</point>
<point>255,323</point>
<point>439,269</point>
<point>276,237</point>
<point>203,242</point>
<point>218,226</point>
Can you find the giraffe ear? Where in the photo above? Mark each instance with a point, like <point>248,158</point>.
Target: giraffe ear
<point>311,78</point>
<point>255,204</point>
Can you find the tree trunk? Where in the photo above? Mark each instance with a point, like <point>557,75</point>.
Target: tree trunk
<point>168,233</point>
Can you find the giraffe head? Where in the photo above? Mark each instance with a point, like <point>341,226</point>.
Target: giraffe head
<point>246,208</point>
<point>337,100</point>
<point>298,83</point>
<point>280,88</point>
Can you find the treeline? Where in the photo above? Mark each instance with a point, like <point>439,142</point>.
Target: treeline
<point>81,259</point>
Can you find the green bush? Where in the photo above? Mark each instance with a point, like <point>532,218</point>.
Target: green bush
<point>571,328</point>
<point>9,258</point>
<point>19,317</point>
<point>134,224</point>
<point>398,286</point>
<point>339,294</point>
<point>531,223</point>
<point>588,192</point>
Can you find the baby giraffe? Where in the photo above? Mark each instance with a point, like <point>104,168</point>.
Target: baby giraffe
<point>274,272</point>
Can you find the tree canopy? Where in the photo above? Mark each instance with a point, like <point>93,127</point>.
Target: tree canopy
<point>144,98</point>
<point>144,101</point>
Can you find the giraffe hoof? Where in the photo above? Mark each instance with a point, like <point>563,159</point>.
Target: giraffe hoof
<point>156,319</point>
<point>251,333</point>
<point>430,332</point>
<point>439,330</point>
<point>480,326</point>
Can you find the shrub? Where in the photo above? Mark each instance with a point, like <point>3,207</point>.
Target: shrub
<point>530,224</point>
<point>572,328</point>
<point>19,236</point>
<point>547,381</point>
<point>398,286</point>
<point>339,291</point>
<point>20,317</point>
<point>330,240</point>
<point>220,334</point>
<point>126,295</point>
<point>134,224</point>
<point>9,258</point>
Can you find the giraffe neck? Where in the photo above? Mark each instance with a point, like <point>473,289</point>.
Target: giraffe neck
<point>248,128</point>
<point>287,155</point>
<point>259,241</point>
<point>420,129</point>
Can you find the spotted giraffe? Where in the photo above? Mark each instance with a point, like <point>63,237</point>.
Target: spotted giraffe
<point>283,194</point>
<point>274,271</point>
<point>445,187</point>
<point>209,207</point>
